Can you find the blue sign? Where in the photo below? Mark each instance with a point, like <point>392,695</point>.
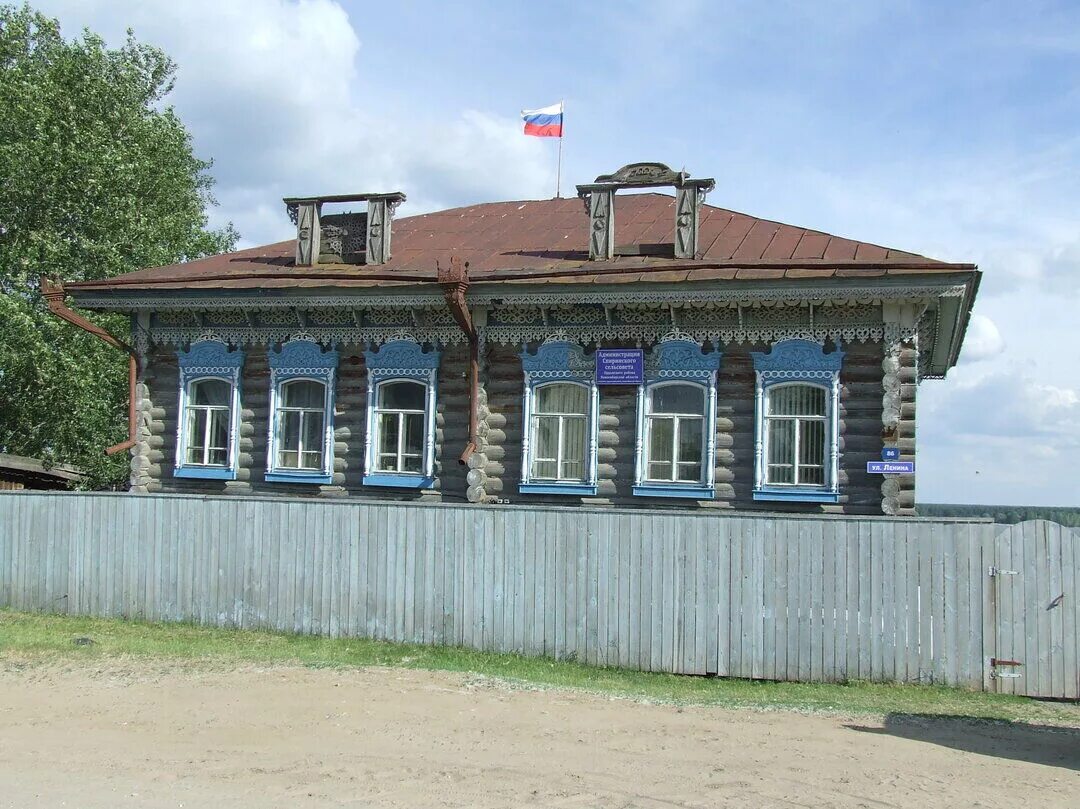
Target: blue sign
<point>890,454</point>
<point>620,366</point>
<point>890,467</point>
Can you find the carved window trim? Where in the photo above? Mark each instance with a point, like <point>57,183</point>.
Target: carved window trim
<point>675,359</point>
<point>552,362</point>
<point>301,359</point>
<point>792,362</point>
<point>205,360</point>
<point>398,361</point>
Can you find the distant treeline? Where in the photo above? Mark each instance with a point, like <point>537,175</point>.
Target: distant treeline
<point>1006,515</point>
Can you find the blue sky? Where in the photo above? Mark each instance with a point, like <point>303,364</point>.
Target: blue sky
<point>949,129</point>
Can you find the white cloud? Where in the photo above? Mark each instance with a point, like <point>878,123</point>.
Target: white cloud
<point>277,93</point>
<point>983,340</point>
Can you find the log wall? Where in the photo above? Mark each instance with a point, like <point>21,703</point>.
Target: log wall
<point>496,468</point>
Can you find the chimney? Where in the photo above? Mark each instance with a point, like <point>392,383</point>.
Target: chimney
<point>343,238</point>
<point>599,200</point>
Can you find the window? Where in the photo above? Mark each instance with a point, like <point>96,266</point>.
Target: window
<point>209,410</point>
<point>797,444</point>
<point>558,448</point>
<point>675,432</point>
<point>676,421</point>
<point>401,415</point>
<point>559,424</point>
<point>207,416</point>
<point>301,438</point>
<point>301,425</point>
<point>795,435</point>
<point>400,411</point>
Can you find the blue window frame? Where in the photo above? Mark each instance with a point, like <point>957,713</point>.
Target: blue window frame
<point>559,421</point>
<point>208,416</point>
<point>796,436</point>
<point>300,444</point>
<point>402,382</point>
<point>676,444</point>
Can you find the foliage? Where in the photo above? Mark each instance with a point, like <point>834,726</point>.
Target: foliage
<point>26,638</point>
<point>1005,515</point>
<point>99,178</point>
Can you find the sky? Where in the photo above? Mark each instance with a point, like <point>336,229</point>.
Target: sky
<point>947,129</point>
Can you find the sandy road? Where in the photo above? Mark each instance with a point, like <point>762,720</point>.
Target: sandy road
<point>119,736</point>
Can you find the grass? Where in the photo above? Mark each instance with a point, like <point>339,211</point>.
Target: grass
<point>27,639</point>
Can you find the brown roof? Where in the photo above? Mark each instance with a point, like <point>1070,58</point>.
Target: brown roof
<point>534,240</point>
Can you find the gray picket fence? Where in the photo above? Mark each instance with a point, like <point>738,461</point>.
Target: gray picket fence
<point>767,597</point>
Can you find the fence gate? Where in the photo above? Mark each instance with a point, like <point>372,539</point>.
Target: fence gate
<point>1031,646</point>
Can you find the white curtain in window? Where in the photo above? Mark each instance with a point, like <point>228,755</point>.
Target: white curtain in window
<point>560,428</point>
<point>209,406</point>
<point>795,435</point>
<point>675,425</point>
<point>301,419</point>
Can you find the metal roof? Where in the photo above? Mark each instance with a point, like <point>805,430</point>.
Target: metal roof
<point>531,241</point>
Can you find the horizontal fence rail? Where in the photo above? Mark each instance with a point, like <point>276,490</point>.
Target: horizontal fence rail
<point>767,597</point>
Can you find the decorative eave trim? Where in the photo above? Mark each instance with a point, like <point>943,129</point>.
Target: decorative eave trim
<point>727,335</point>
<point>547,295</point>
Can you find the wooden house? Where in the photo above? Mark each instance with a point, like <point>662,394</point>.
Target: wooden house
<point>635,349</point>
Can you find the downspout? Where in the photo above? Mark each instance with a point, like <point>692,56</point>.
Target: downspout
<point>455,283</point>
<point>54,299</point>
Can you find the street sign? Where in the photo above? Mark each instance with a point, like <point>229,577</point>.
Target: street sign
<point>890,453</point>
<point>890,467</point>
<point>620,366</point>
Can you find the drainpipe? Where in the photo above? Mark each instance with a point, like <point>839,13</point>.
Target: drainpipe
<point>54,294</point>
<point>455,282</point>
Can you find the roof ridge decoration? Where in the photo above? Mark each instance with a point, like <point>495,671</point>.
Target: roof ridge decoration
<point>599,198</point>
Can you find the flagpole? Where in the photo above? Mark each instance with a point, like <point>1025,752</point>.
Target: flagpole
<point>558,169</point>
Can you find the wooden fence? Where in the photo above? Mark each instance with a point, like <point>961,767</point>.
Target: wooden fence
<point>779,598</point>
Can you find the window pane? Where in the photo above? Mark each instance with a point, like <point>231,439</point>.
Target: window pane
<point>219,457</point>
<point>401,396</point>
<point>561,399</point>
<point>219,429</point>
<point>781,441</point>
<point>547,437</point>
<point>303,393</point>
<point>690,441</point>
<point>812,452</point>
<point>780,474</point>
<point>411,463</point>
<point>689,472</point>
<point>661,438</point>
<point>660,470</point>
<point>797,400</point>
<point>196,429</point>
<point>211,392</point>
<point>544,469</point>
<point>288,439</point>
<point>573,449</point>
<point>388,441</point>
<point>313,432</point>
<point>310,460</point>
<point>678,399</point>
<point>414,433</point>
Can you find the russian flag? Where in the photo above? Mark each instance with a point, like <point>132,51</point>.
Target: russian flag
<point>545,122</point>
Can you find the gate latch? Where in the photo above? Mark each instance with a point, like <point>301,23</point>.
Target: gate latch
<point>997,571</point>
<point>996,665</point>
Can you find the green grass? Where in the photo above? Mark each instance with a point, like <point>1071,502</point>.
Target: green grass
<point>29,639</point>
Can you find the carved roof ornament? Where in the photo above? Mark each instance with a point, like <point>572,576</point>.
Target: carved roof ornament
<point>343,235</point>
<point>599,198</point>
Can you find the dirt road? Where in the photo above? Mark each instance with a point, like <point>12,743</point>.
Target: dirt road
<point>120,736</point>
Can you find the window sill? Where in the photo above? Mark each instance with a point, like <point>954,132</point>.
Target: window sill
<point>316,478</point>
<point>796,495</point>
<point>555,487</point>
<point>693,491</point>
<point>398,481</point>
<point>204,472</point>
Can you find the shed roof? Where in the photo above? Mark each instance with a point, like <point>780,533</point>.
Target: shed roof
<point>531,240</point>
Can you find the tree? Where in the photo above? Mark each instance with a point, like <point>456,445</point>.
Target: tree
<point>98,178</point>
